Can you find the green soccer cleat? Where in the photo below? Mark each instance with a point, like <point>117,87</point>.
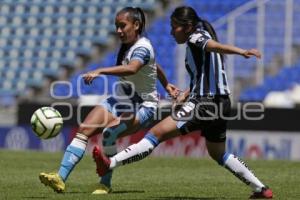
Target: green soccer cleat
<point>102,189</point>
<point>53,180</point>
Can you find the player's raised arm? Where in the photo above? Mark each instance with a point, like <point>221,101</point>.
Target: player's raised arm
<point>213,46</point>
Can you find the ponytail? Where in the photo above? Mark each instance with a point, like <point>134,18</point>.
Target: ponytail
<point>121,54</point>
<point>210,29</point>
<point>142,20</point>
<point>186,15</point>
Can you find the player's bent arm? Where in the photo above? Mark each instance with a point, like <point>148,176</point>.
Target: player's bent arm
<point>162,76</point>
<point>170,88</point>
<point>213,46</point>
<point>122,70</point>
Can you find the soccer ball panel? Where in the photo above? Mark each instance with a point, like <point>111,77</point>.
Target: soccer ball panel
<point>50,112</point>
<point>46,122</point>
<point>38,126</point>
<point>56,129</point>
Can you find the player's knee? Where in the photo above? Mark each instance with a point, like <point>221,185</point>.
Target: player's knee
<point>86,130</point>
<point>215,155</point>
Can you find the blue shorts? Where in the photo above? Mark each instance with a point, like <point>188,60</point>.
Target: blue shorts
<point>143,113</point>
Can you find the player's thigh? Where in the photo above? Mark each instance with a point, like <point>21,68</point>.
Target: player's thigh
<point>166,129</point>
<point>98,118</point>
<point>127,119</point>
<point>142,119</point>
<point>131,122</point>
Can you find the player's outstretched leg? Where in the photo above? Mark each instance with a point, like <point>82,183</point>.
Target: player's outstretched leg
<point>236,166</point>
<point>72,156</point>
<point>110,136</point>
<point>131,154</point>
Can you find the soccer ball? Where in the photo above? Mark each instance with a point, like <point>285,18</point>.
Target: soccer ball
<point>46,122</point>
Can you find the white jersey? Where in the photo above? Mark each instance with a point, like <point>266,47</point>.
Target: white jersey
<point>141,85</point>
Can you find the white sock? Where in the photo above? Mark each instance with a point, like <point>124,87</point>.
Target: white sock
<point>240,170</point>
<point>132,153</point>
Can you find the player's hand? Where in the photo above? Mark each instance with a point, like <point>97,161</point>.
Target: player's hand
<point>251,52</point>
<point>181,98</point>
<point>90,76</point>
<point>172,90</point>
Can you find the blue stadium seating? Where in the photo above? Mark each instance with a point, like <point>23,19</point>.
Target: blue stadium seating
<point>286,78</point>
<point>39,35</point>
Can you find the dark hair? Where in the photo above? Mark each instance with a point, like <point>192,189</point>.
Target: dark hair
<point>185,15</point>
<point>134,14</point>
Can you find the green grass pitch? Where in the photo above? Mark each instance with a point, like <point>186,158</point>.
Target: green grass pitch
<point>151,179</point>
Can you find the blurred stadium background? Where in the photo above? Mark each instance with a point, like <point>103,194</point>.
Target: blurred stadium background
<point>46,44</point>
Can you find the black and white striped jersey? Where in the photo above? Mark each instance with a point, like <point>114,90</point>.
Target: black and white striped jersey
<point>206,69</point>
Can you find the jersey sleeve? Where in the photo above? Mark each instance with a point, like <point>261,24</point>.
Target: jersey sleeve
<point>142,54</point>
<point>199,39</point>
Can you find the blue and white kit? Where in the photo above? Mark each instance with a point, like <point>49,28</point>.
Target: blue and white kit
<point>136,91</point>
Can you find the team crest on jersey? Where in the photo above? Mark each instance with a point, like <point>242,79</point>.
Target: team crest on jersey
<point>198,37</point>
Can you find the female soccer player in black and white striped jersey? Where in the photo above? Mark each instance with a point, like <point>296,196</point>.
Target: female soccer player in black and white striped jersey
<point>206,104</point>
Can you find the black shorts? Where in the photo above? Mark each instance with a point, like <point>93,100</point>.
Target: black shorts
<point>208,114</point>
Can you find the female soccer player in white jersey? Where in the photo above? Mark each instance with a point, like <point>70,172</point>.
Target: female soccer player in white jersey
<point>206,106</point>
<point>131,107</point>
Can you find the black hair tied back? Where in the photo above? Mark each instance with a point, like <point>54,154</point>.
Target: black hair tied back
<point>142,19</point>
